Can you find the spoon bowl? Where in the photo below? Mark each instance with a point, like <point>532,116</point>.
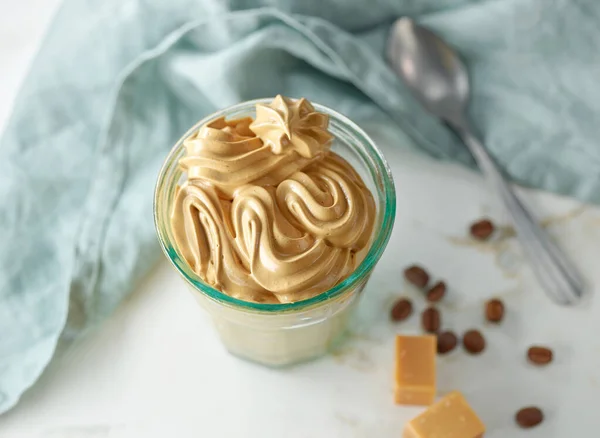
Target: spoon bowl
<point>429,65</point>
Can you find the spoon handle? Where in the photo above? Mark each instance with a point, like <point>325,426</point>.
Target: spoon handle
<point>559,278</point>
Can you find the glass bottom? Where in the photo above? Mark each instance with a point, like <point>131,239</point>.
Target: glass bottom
<point>284,339</point>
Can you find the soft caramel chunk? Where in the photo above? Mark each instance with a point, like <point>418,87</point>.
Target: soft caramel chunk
<point>451,417</point>
<point>415,370</point>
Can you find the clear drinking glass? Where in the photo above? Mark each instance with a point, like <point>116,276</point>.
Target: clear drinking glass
<point>285,334</point>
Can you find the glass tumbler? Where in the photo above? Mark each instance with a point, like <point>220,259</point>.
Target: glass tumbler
<point>285,334</point>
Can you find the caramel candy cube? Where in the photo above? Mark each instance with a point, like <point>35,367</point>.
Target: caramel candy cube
<point>451,417</point>
<point>415,369</point>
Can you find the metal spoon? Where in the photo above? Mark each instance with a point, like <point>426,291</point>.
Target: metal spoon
<point>439,80</point>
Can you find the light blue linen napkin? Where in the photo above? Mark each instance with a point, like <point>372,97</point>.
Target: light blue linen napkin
<point>117,81</point>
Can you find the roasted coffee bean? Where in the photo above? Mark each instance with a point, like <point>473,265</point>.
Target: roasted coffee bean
<point>474,342</point>
<point>402,309</point>
<point>417,275</point>
<point>437,292</point>
<point>529,417</point>
<point>494,310</point>
<point>431,319</point>
<point>482,229</point>
<point>446,342</point>
<point>540,355</point>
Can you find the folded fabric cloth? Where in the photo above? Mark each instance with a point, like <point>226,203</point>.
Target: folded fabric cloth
<point>116,82</point>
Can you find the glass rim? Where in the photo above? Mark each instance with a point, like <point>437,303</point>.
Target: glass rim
<point>373,255</point>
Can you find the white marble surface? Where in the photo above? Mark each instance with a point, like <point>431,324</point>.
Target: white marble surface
<point>156,368</point>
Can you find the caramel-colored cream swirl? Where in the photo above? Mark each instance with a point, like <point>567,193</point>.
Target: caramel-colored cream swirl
<point>292,125</point>
<point>268,213</point>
